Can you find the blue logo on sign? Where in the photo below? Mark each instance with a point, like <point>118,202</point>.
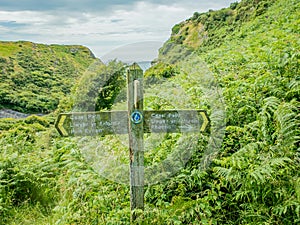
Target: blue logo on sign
<point>136,117</point>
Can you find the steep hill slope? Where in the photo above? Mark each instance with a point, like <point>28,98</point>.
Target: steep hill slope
<point>256,61</point>
<point>206,31</point>
<point>33,77</point>
<point>253,178</point>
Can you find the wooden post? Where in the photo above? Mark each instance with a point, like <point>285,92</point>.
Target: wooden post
<point>139,122</point>
<point>136,138</point>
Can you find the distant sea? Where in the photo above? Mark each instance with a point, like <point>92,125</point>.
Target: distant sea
<point>144,65</point>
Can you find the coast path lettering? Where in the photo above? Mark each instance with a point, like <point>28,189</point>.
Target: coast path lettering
<point>116,122</point>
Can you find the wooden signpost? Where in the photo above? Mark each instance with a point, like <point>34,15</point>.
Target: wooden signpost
<point>134,122</point>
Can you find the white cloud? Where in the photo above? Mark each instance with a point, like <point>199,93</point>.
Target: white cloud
<point>105,30</point>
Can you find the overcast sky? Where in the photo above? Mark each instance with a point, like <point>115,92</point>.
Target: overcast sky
<point>101,25</point>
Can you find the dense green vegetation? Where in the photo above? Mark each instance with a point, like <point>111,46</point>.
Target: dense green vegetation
<point>99,87</point>
<point>253,55</point>
<point>34,77</point>
<point>206,31</point>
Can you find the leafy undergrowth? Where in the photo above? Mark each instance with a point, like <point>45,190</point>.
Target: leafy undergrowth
<point>254,179</point>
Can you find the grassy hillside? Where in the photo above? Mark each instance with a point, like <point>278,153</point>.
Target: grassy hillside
<point>208,30</point>
<point>253,50</point>
<point>34,77</point>
<point>253,145</point>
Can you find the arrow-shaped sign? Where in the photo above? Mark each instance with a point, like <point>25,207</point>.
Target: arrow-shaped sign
<point>116,122</point>
<point>60,124</point>
<point>206,120</point>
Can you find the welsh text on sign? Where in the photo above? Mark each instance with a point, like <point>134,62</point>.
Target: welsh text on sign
<point>116,122</point>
